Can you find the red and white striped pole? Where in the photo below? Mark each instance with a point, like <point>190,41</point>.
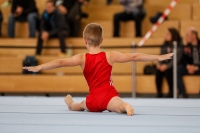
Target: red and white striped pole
<point>160,20</point>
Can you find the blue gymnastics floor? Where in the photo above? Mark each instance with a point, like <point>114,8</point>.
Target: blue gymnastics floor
<point>50,115</point>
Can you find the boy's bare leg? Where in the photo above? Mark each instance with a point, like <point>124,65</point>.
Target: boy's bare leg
<point>117,105</point>
<point>75,106</point>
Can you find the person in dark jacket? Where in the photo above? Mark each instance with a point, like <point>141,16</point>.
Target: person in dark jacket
<point>52,25</point>
<point>73,14</point>
<point>164,68</point>
<point>133,10</point>
<point>23,10</point>
<point>190,64</point>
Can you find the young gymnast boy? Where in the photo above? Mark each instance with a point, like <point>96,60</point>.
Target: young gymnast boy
<point>97,69</point>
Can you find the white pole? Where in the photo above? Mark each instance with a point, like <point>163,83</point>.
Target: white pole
<point>133,73</point>
<point>175,69</point>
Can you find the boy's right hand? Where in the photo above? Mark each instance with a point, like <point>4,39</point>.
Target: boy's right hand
<point>32,69</point>
<point>165,57</point>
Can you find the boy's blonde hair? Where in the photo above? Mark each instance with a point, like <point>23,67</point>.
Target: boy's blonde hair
<point>93,33</point>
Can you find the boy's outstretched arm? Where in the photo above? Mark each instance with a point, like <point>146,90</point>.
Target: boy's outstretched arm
<point>73,61</point>
<point>121,58</point>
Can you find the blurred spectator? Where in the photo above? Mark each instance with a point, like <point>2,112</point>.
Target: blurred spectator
<point>52,25</point>
<point>23,10</point>
<point>164,68</point>
<point>1,20</point>
<point>190,64</point>
<point>133,10</point>
<point>72,11</point>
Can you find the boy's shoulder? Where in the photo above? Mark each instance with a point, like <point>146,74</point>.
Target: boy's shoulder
<point>81,55</point>
<point>112,53</point>
<point>111,56</point>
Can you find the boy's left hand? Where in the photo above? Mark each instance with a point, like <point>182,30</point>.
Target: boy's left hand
<point>165,57</point>
<point>32,69</point>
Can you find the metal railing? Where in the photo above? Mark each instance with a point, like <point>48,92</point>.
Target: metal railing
<point>175,69</point>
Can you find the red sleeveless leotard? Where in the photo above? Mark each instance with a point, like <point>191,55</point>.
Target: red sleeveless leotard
<point>97,72</point>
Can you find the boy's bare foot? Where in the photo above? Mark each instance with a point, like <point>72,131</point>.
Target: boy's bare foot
<point>69,101</point>
<point>129,109</point>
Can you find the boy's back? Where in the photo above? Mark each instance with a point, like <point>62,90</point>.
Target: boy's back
<point>97,70</point>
